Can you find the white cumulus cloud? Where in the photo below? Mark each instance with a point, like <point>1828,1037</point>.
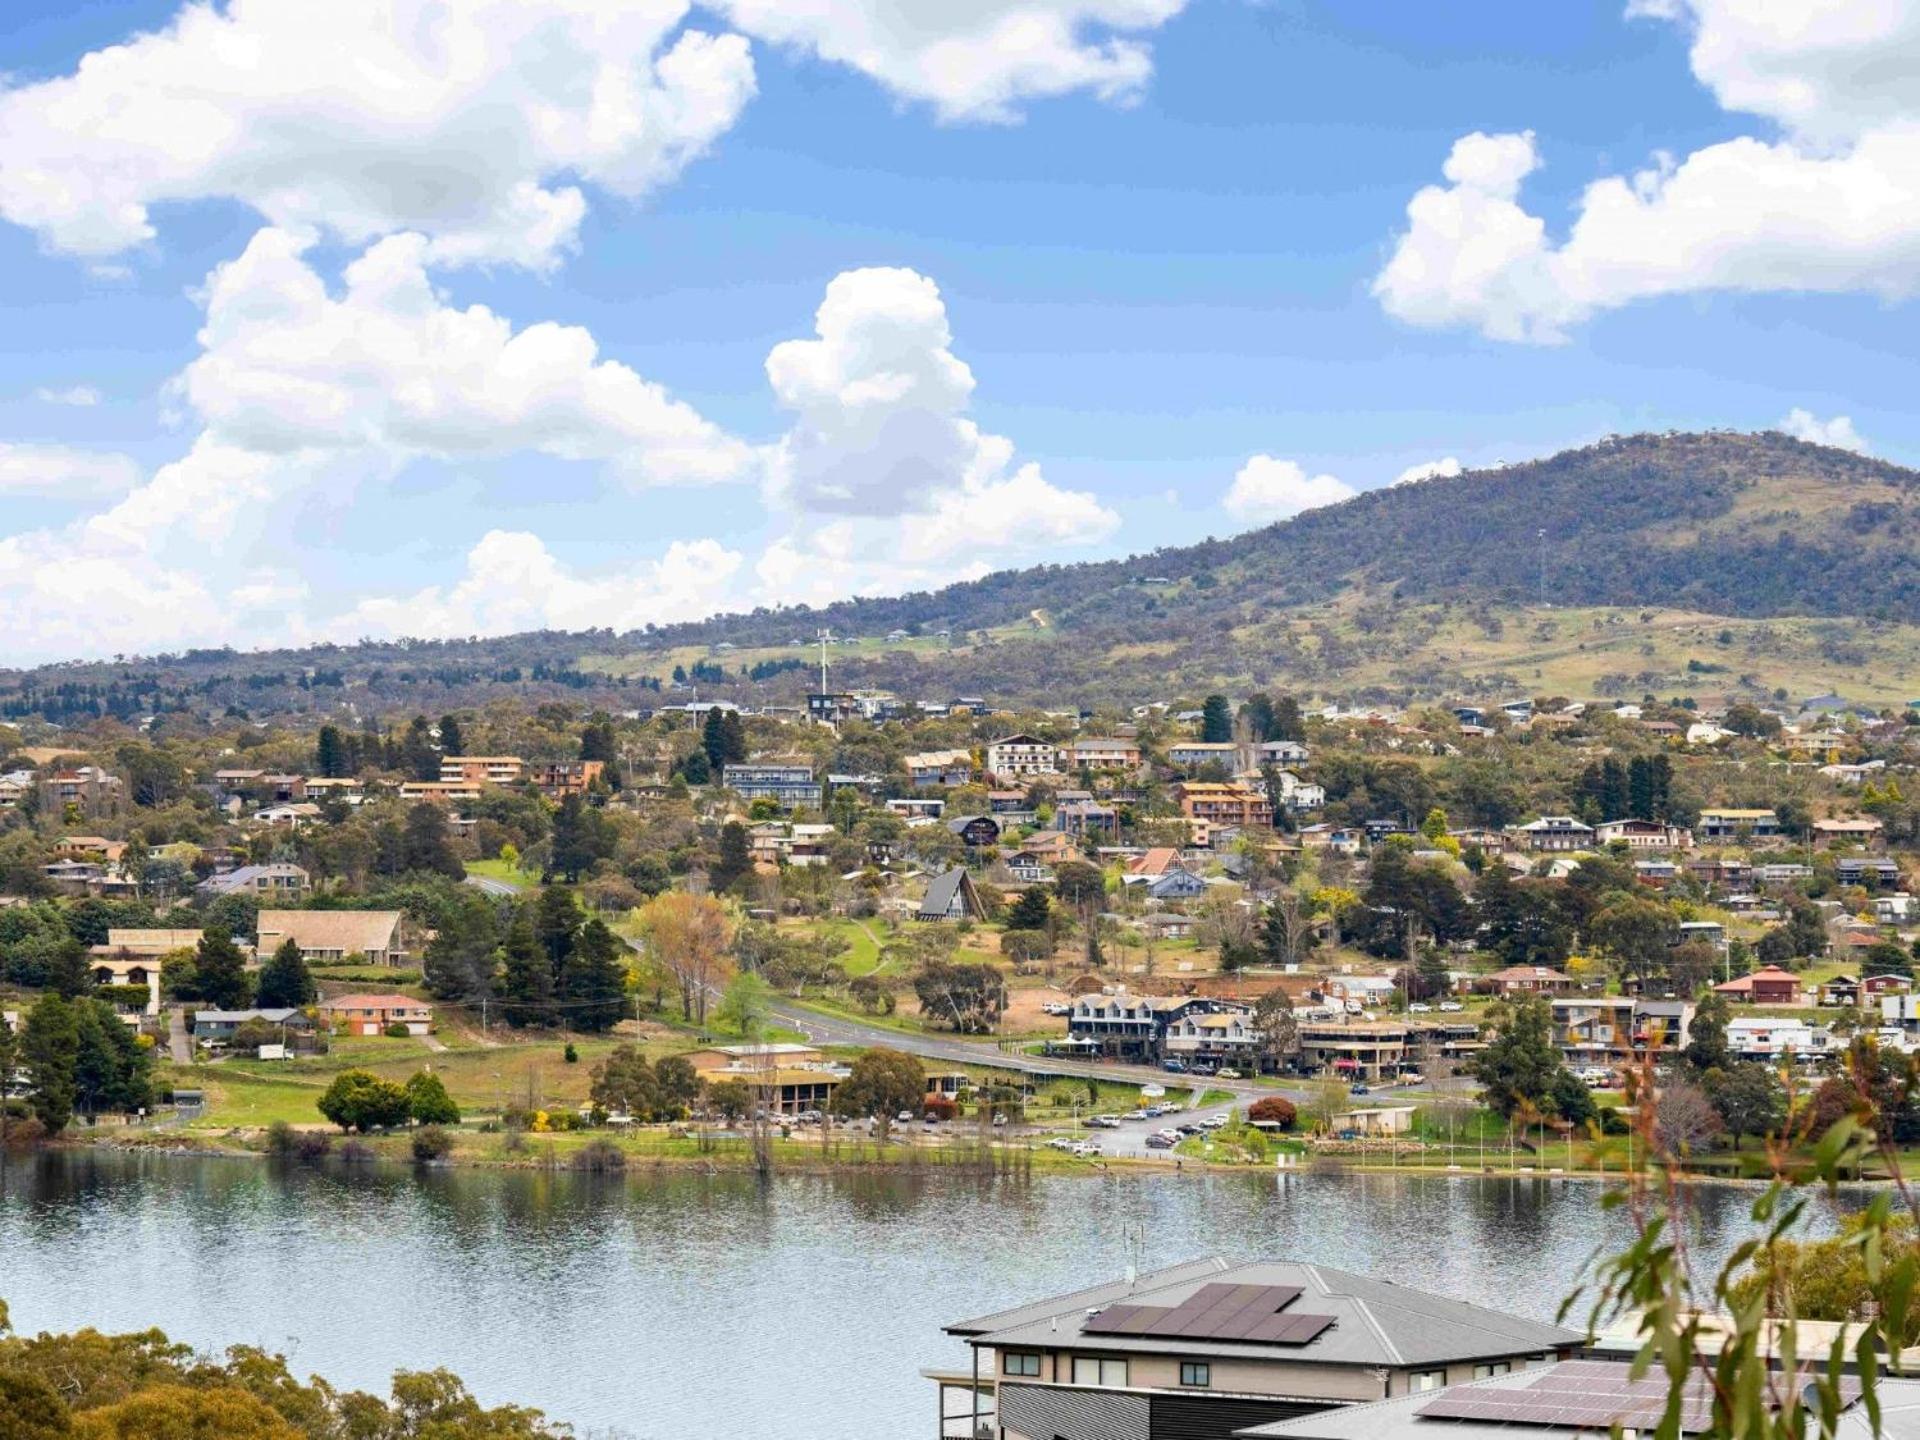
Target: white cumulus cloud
<point>464,120</point>
<point>1268,489</point>
<point>65,472</point>
<point>1830,205</point>
<point>978,60</point>
<point>1442,469</point>
<point>1837,432</point>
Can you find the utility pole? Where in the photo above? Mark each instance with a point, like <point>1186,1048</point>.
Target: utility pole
<point>1543,569</point>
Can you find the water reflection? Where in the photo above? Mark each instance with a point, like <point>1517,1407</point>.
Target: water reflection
<point>690,1305</point>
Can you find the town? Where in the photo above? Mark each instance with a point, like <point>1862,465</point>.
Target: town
<point>1430,937</point>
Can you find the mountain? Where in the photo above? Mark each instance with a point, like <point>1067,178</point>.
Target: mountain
<point>1675,563</point>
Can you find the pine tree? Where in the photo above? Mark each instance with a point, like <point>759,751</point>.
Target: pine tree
<point>50,1049</point>
<point>284,982</point>
<point>331,757</point>
<point>594,980</point>
<point>733,738</point>
<point>1216,720</point>
<point>220,971</point>
<point>696,769</point>
<point>452,742</point>
<point>459,963</point>
<point>1031,911</point>
<point>1288,723</point>
<point>526,981</point>
<point>426,846</point>
<point>736,858</point>
<point>67,973</point>
<point>417,755</point>
<point>713,739</point>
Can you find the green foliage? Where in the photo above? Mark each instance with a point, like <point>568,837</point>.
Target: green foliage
<point>359,1100</point>
<point>284,983</point>
<point>1521,1066</point>
<point>220,976</point>
<point>1031,911</point>
<point>960,996</point>
<point>882,1082</point>
<point>626,1084</point>
<point>428,1102</point>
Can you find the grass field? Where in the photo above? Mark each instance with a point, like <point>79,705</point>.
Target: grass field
<point>500,870</point>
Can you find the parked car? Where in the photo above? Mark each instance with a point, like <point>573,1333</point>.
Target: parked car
<point>1177,1067</point>
<point>1359,1087</point>
<point>1452,1007</point>
<point>1160,1141</point>
<point>1419,1007</point>
<point>1213,1122</point>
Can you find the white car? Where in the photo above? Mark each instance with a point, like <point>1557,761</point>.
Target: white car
<point>1419,1007</point>
<point>1226,1074</point>
<point>1452,1007</point>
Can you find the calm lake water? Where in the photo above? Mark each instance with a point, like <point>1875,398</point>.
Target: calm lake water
<point>685,1307</point>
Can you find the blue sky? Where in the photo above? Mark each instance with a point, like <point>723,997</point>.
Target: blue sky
<point>1158,278</point>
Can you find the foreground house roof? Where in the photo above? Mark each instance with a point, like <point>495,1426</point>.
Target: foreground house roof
<point>1373,1322</point>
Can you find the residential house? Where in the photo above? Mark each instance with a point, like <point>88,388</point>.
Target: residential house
<point>1769,985</point>
<point>1296,794</point>
<point>1554,833</point>
<point>1353,1049</point>
<point>482,769</point>
<point>15,786</point>
<point>1895,909</point>
<point>1723,826</point>
<point>88,787</point>
<point>1594,1031</point>
<point>785,1079</point>
<point>327,937</point>
<point>977,831</point>
<point>915,809</point>
<point>278,881</point>
<point>1192,754</point>
<point>1643,835</point>
<point>1869,870</point>
<point>1205,1349</point>
<point>1531,980</point>
<point>789,786</point>
<point>951,896</point>
<point>441,792</point>
<point>1128,1026</point>
<point>1019,755</point>
<point>1337,839</point>
<point>1235,806</point>
<point>296,816</point>
<point>1226,1036</point>
<point>216,1027</point>
<point>1085,817</point>
<point>1281,752</point>
<point>1706,932</point>
<point>372,1014</point>
<point>1847,830</point>
<point>1104,753</point>
<point>1175,885</point>
<point>940,768</point>
<point>1775,1039</point>
<point>557,779</point>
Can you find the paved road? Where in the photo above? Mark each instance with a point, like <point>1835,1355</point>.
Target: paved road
<point>179,1046</point>
<point>486,885</point>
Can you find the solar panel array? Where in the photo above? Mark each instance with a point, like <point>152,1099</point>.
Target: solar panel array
<point>1581,1395</point>
<point>1250,1314</point>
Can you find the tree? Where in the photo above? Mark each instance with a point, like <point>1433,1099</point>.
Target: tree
<point>736,858</point>
<point>730,1099</point>
<point>679,1086</point>
<point>192,1412</point>
<point>1707,1039</point>
<point>428,1102</point>
<point>425,844</point>
<point>1747,1098</point>
<point>688,936</point>
<point>1635,932</point>
<point>1887,958</point>
<point>581,838</point>
<point>526,980</point>
<point>333,756</point>
<point>872,994</point>
<point>460,961</point>
<point>360,1100</point>
<point>1274,1109</point>
<point>1289,930</point>
<point>964,997</point>
<point>418,757</point>
<point>220,971</point>
<point>1026,947</point>
<point>452,742</point>
<point>1684,1119</point>
<point>1216,720</point>
<point>1031,911</point>
<point>624,1084</point>
<point>50,1049</point>
<point>745,1006</point>
<point>593,979</point>
<point>1521,1063</point>
<point>881,1083</point>
<point>284,982</point>
<point>68,973</point>
<point>112,1069</point>
<point>1079,884</point>
<point>1278,1027</point>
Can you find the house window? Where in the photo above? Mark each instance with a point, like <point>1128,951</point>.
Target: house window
<point>1092,1370</point>
<point>1488,1371</point>
<point>1194,1372</point>
<point>1427,1380</point>
<point>1020,1362</point>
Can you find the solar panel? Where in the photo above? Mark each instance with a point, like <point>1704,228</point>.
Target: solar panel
<point>1587,1395</point>
<point>1219,1311</point>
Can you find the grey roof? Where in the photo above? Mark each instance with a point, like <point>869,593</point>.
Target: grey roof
<point>240,1017</point>
<point>1400,1418</point>
<point>1376,1322</point>
<point>941,893</point>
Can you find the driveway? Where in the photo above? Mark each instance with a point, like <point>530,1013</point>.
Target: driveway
<point>486,885</point>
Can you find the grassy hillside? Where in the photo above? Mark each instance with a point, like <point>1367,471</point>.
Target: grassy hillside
<point>1669,564</point>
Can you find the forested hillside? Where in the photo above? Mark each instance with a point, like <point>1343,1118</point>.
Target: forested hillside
<point>1416,590</point>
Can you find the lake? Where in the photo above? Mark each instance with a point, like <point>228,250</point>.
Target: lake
<point>696,1307</point>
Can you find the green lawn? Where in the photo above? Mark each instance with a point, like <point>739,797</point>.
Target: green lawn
<point>502,871</point>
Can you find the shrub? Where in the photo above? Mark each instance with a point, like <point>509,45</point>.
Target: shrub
<point>1275,1109</point>
<point>25,1134</point>
<point>571,1054</point>
<point>939,1107</point>
<point>397,1031</point>
<point>355,1153</point>
<point>428,1102</point>
<point>282,1140</point>
<point>312,1146</point>
<point>359,1100</point>
<point>430,1142</point>
<point>600,1157</point>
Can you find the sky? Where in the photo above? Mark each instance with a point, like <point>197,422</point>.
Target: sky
<point>460,317</point>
